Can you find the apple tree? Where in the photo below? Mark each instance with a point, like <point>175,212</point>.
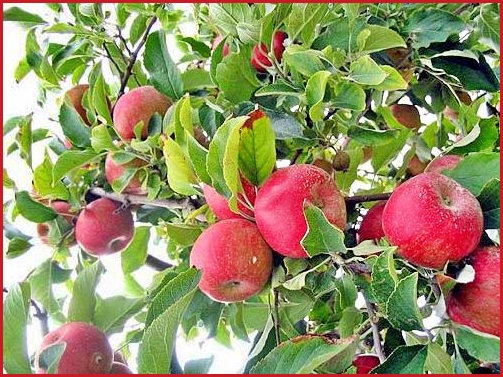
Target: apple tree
<point>230,153</point>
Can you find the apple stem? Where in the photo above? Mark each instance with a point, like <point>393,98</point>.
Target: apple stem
<point>375,330</point>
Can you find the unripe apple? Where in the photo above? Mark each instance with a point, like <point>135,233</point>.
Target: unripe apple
<point>259,58</point>
<point>220,205</point>
<point>138,105</point>
<point>279,207</point>
<point>235,260</point>
<point>75,95</point>
<point>114,170</point>
<point>407,115</point>
<point>119,368</point>
<point>364,363</point>
<point>87,349</point>
<point>432,220</point>
<point>371,225</point>
<point>477,304</point>
<point>62,208</point>
<point>447,162</point>
<point>216,42</point>
<point>103,228</point>
<point>415,166</point>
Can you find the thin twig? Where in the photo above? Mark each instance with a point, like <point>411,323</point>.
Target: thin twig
<point>133,57</point>
<point>295,156</point>
<point>375,330</point>
<point>109,56</point>
<point>367,198</point>
<point>140,199</point>
<point>156,263</point>
<point>276,316</point>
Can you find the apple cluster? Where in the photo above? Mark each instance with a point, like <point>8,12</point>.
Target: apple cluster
<point>86,351</point>
<point>236,253</point>
<point>433,221</point>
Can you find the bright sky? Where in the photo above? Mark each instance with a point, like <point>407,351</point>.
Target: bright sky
<point>21,99</point>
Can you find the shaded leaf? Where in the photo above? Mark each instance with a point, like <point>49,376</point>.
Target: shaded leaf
<point>32,210</point>
<point>404,360</point>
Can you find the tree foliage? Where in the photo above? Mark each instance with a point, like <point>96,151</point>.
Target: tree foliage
<point>328,99</point>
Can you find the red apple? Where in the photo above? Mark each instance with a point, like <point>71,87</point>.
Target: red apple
<point>138,105</point>
<point>87,349</point>
<point>75,95</point>
<point>216,42</point>
<point>477,304</point>
<point>120,368</point>
<point>407,115</point>
<point>114,170</point>
<point>432,220</point>
<point>279,207</point>
<point>371,225</point>
<point>365,363</point>
<point>62,208</point>
<point>220,205</point>
<point>235,260</point>
<point>259,58</point>
<point>102,228</point>
<point>440,163</point>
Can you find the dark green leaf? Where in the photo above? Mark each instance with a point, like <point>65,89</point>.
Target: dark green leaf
<point>402,310</point>
<point>482,137</point>
<point>164,73</point>
<point>32,210</point>
<point>198,366</point>
<point>285,125</point>
<point>49,358</point>
<point>481,346</point>
<point>16,307</point>
<point>367,136</point>
<point>404,360</point>
<point>384,278</point>
<point>135,255</point>
<point>83,301</point>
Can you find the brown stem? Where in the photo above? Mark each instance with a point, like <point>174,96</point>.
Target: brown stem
<point>295,156</point>
<point>156,263</point>
<point>141,199</point>
<point>367,198</point>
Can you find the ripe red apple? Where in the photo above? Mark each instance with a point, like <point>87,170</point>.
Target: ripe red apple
<point>87,349</point>
<point>120,368</point>
<point>235,259</point>
<point>407,115</point>
<point>220,205</point>
<point>365,363</point>
<point>432,220</point>
<point>259,58</point>
<point>62,208</point>
<point>447,162</point>
<point>279,207</point>
<point>216,42</point>
<point>138,105</point>
<point>477,304</point>
<point>114,170</point>
<point>75,95</point>
<point>371,225</point>
<point>104,229</point>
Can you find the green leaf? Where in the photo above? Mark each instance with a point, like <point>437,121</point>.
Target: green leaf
<point>306,62</point>
<point>299,281</point>
<point>164,73</point>
<point>278,88</point>
<point>367,136</point>
<point>198,156</point>
<point>402,310</point>
<point>228,15</point>
<point>488,25</point>
<point>304,19</point>
<point>301,355</point>
<point>482,137</point>
<point>489,200</point>
<point>285,125</point>
<point>257,148</point>
<point>182,234</point>
<point>384,278</point>
<point>381,38</point>
<point>393,80</point>
<point>351,319</point>
<point>181,177</point>
<point>236,77</point>
<point>366,71</point>
<point>24,138</point>
<point>73,127</point>
<point>481,346</point>
<point>315,91</point>
<point>32,210</point>
<point>198,366</point>
<point>22,17</point>
<point>476,170</point>
<point>348,96</point>
<point>83,301</point>
<point>70,160</point>
<point>43,181</point>
<point>135,255</point>
<point>438,360</point>
<point>100,99</point>
<point>49,358</point>
<point>101,139</point>
<point>404,360</point>
<point>16,307</point>
<point>113,312</point>
<point>17,246</point>
<point>156,347</point>
<point>196,79</point>
<point>426,26</point>
<point>321,237</point>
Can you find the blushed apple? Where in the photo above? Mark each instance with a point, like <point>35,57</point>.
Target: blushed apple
<point>259,58</point>
<point>87,349</point>
<point>371,225</point>
<point>138,105</point>
<point>477,304</point>
<point>114,170</point>
<point>446,162</point>
<point>220,205</point>
<point>432,220</point>
<point>104,228</point>
<point>279,206</point>
<point>235,260</point>
<point>75,96</point>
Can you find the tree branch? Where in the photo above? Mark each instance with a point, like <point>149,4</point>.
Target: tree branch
<point>156,263</point>
<point>133,57</point>
<point>375,330</point>
<point>276,316</point>
<point>141,199</point>
<point>367,198</point>
<point>109,56</point>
